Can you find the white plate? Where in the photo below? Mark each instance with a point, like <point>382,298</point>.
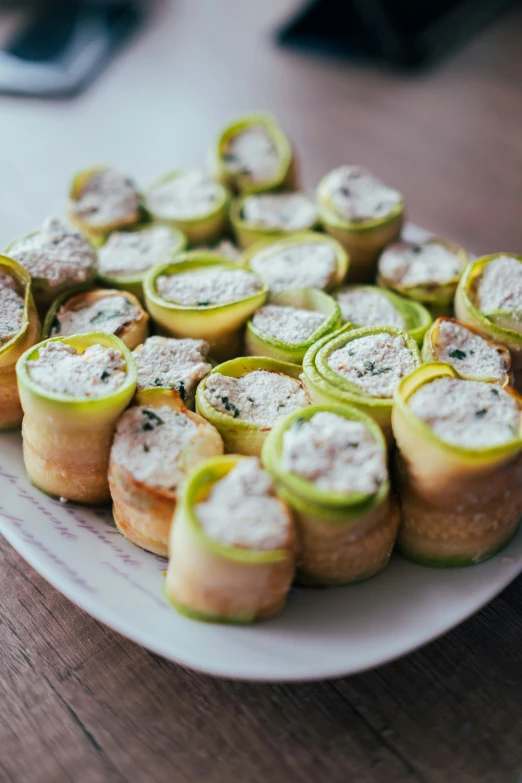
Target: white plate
<point>321,633</point>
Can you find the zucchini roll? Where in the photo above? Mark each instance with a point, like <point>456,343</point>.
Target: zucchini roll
<point>474,357</point>
<point>102,310</point>
<point>232,544</point>
<point>459,466</point>
<point>304,260</point>
<point>156,444</point>
<point>19,329</point>
<point>329,463</point>
<point>489,298</point>
<point>58,259</point>
<point>366,305</point>
<point>204,297</point>
<point>290,323</point>
<point>244,398</point>
<point>427,272</point>
<point>271,216</point>
<point>363,214</point>
<point>192,202</point>
<point>73,390</point>
<point>361,367</point>
<point>125,257</point>
<point>167,363</point>
<point>253,155</point>
<point>103,200</point>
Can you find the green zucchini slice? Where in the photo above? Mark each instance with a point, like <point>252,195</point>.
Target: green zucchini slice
<point>329,462</point>
<point>460,487</point>
<point>230,563</point>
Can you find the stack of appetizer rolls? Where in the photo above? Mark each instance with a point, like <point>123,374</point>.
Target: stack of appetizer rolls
<point>269,386</point>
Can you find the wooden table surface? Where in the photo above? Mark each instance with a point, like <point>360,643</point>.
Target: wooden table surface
<point>80,703</point>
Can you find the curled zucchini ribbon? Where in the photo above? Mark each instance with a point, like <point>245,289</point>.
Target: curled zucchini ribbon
<point>132,333</point>
<point>248,233</point>
<point>259,344</point>
<point>284,176</point>
<point>239,436</point>
<point>437,297</point>
<point>364,240</point>
<point>342,261</point>
<point>458,506</point>
<point>325,386</point>
<point>67,440</point>
<point>417,318</point>
<point>11,350</point>
<point>97,233</point>
<point>504,326</point>
<point>431,349</point>
<point>199,230</point>
<point>143,511</point>
<point>342,537</point>
<point>134,282</point>
<point>221,325</point>
<point>216,582</point>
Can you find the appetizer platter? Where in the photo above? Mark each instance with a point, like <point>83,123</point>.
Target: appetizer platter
<point>267,434</point>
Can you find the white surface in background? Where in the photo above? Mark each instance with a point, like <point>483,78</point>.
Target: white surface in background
<point>157,107</point>
<point>10,23</point>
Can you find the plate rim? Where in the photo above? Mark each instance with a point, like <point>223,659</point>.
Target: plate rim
<point>110,619</point>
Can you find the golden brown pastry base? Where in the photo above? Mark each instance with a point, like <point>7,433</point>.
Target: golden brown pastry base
<point>365,246</point>
<point>73,466</point>
<point>332,553</point>
<point>464,524</point>
<point>142,514</point>
<point>10,409</point>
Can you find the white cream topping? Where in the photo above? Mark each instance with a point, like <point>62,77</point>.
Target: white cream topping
<point>11,309</point>
<point>334,454</point>
<point>260,397</point>
<point>131,252</point>
<point>190,195</point>
<point>470,414</point>
<point>108,314</point>
<point>251,153</point>
<point>363,307</point>
<point>412,264</point>
<point>468,352</point>
<point>211,286</point>
<point>55,253</point>
<point>375,363</point>
<point>500,285</point>
<point>107,197</point>
<point>299,265</point>
<point>283,211</point>
<point>357,195</point>
<point>7,281</point>
<point>59,368</point>
<point>241,510</point>
<point>288,324</point>
<point>224,248</point>
<point>149,443</point>
<point>172,364</point>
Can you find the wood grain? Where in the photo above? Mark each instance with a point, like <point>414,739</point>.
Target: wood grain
<point>78,702</point>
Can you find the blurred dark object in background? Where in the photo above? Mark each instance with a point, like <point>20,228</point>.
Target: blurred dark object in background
<point>65,44</point>
<point>404,33</point>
